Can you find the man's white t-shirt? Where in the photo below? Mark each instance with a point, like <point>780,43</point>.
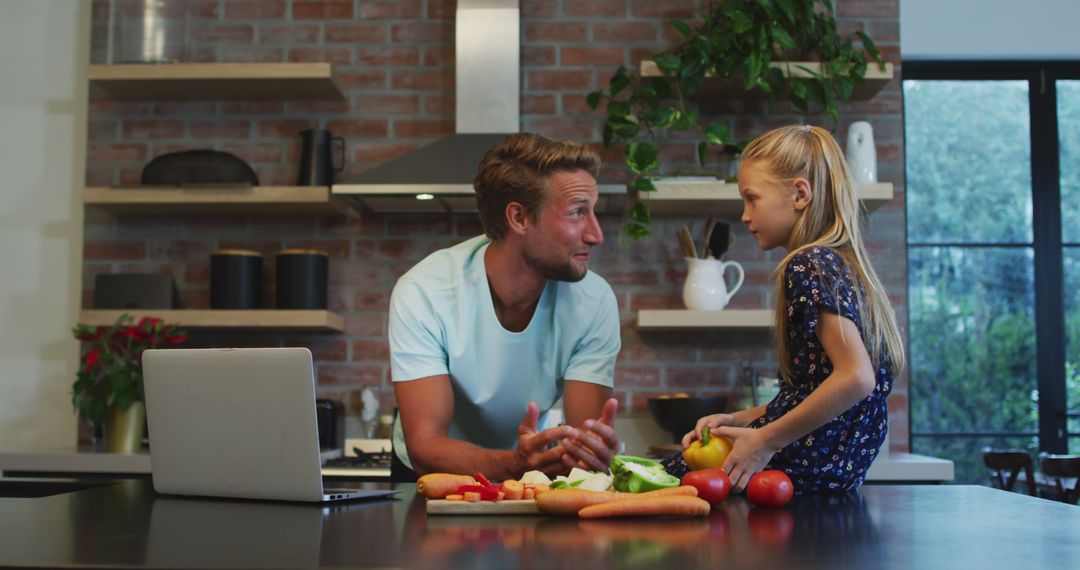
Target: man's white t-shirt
<point>442,321</point>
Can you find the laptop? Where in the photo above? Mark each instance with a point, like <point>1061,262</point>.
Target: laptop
<point>237,423</point>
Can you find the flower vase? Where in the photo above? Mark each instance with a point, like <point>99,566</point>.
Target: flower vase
<point>705,288</point>
<point>124,429</point>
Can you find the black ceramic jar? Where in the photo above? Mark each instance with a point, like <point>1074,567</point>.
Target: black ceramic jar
<point>301,279</point>
<point>235,279</point>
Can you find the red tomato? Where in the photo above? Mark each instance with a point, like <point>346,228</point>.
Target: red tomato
<point>712,484</point>
<point>770,488</point>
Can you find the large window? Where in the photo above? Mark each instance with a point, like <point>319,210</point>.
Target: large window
<point>989,367</point>
<point>1068,113</point>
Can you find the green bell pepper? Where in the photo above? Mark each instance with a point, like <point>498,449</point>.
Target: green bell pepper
<point>631,474</point>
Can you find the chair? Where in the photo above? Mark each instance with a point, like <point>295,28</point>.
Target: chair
<point>1060,468</point>
<point>1005,467</point>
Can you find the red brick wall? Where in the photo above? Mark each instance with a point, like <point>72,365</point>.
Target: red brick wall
<point>395,59</point>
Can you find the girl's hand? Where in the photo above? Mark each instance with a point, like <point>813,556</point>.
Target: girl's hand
<point>749,454</point>
<point>713,421</point>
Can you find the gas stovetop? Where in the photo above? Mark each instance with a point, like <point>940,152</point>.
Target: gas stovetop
<point>363,458</point>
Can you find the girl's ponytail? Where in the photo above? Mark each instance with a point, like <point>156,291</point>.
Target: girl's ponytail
<point>832,220</point>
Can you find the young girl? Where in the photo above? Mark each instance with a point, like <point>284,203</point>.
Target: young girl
<point>837,341</point>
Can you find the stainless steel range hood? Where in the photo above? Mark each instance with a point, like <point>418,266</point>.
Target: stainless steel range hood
<point>439,176</point>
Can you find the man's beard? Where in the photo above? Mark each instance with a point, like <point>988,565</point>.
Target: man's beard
<point>565,271</point>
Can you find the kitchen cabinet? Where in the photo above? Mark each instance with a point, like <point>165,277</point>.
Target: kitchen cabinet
<point>714,88</point>
<point>214,81</point>
<point>227,320</point>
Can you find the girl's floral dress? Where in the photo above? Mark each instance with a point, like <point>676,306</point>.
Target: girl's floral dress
<point>836,456</point>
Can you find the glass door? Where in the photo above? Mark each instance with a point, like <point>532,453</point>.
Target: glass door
<point>1068,113</point>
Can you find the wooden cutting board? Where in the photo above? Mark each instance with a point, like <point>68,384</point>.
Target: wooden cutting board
<point>504,507</point>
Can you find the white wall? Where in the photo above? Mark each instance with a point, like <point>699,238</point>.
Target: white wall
<point>989,29</point>
<point>44,49</point>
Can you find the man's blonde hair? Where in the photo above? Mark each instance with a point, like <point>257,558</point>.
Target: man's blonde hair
<point>517,170</point>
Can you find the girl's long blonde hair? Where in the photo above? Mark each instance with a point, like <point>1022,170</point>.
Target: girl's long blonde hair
<point>831,220</point>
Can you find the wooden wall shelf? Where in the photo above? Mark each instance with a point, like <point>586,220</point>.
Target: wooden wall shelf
<point>214,81</point>
<point>722,199</point>
<point>875,80</point>
<point>687,320</point>
<point>266,319</point>
<point>239,200</point>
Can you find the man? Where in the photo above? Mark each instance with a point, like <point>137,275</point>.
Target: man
<point>485,336</point>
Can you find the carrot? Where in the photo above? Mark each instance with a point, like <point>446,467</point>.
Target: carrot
<point>439,485</point>
<point>541,488</point>
<point>570,501</point>
<point>471,497</point>
<point>670,506</point>
<point>513,489</point>
<point>528,493</point>
<point>455,497</point>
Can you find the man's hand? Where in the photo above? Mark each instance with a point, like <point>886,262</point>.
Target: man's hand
<point>596,443</point>
<point>540,450</point>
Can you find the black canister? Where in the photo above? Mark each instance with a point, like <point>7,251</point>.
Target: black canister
<point>301,279</point>
<point>235,279</point>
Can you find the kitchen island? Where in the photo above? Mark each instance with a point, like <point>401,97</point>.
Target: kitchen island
<point>125,524</point>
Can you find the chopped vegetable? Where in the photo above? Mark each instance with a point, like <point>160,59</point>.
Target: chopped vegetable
<point>631,474</point>
<point>472,497</point>
<point>485,493</point>
<point>513,489</point>
<point>455,497</point>
<point>534,478</point>
<point>482,480</point>
<point>439,485</point>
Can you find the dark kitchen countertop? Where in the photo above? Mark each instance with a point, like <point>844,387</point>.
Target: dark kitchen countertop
<point>126,524</point>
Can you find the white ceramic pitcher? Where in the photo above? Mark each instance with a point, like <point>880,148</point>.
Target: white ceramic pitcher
<point>705,288</point>
<point>861,153</point>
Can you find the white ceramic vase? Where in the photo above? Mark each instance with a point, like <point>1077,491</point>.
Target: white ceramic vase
<point>705,288</point>
<point>861,154</point>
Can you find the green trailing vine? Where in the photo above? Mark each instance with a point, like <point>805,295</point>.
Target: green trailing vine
<point>736,39</point>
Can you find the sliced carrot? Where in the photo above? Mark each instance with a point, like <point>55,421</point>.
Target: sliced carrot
<point>439,485</point>
<point>513,489</point>
<point>501,496</point>
<point>472,497</point>
<point>455,497</point>
<point>670,506</point>
<point>570,501</point>
<point>541,488</point>
<point>528,493</point>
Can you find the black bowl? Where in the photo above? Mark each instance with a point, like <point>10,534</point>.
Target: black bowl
<point>680,415</point>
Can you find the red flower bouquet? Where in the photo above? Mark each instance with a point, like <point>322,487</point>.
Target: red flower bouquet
<point>110,373</point>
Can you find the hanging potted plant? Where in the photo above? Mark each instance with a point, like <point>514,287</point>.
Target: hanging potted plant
<point>743,40</point>
<point>108,387</point>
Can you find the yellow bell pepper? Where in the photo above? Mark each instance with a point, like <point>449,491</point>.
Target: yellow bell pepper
<point>707,452</point>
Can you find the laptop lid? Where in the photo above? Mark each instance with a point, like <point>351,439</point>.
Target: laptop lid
<point>233,422</point>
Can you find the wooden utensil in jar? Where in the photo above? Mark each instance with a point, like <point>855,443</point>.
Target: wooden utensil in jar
<point>709,226</point>
<point>686,242</point>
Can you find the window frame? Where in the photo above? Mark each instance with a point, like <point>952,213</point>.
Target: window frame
<point>1047,243</point>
